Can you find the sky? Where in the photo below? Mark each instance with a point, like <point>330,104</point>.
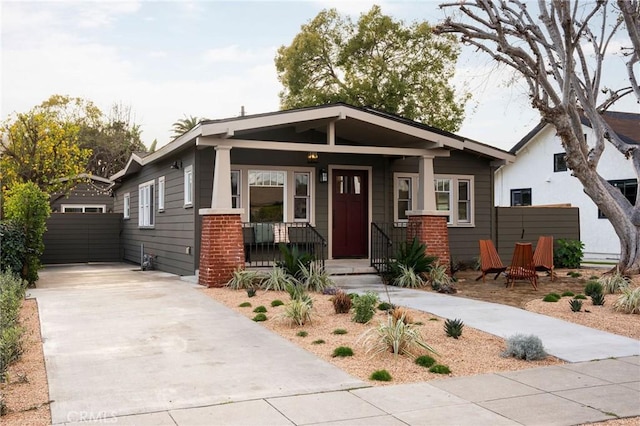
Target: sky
<point>168,59</point>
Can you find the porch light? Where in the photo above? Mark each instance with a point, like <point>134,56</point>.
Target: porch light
<point>312,157</point>
<point>324,176</point>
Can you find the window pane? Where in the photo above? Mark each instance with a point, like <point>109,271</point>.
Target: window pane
<point>73,209</point>
<point>357,184</point>
<point>300,208</point>
<point>463,190</point>
<point>442,201</point>
<point>266,204</point>
<point>93,210</point>
<point>302,184</point>
<point>235,178</point>
<point>403,206</point>
<point>463,211</point>
<point>341,185</point>
<point>404,188</point>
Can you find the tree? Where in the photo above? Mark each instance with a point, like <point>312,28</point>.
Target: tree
<point>111,140</point>
<point>560,50</point>
<point>185,124</point>
<point>41,145</point>
<point>378,62</point>
<point>27,206</point>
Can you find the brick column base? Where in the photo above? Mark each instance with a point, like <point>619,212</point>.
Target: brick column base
<point>433,232</point>
<point>221,249</point>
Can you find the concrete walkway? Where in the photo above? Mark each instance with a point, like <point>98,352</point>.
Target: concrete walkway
<point>144,348</point>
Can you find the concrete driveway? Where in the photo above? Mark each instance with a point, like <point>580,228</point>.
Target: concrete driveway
<point>119,341</point>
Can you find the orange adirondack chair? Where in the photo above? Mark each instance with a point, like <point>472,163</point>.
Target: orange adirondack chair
<point>522,267</point>
<point>543,256</point>
<point>489,260</point>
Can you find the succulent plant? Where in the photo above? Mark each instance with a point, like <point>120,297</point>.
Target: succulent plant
<point>453,328</point>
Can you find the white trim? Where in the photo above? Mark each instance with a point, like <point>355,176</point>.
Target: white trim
<point>126,205</point>
<point>83,207</point>
<point>146,207</point>
<point>188,186</point>
<point>161,193</point>
<point>369,170</point>
<point>414,193</point>
<point>211,212</point>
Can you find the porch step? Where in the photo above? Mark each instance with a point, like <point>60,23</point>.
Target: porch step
<point>357,281</point>
<point>349,267</point>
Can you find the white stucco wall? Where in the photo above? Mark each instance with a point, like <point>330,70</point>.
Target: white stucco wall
<point>533,169</point>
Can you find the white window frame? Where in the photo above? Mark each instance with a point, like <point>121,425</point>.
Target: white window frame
<point>146,210</point>
<point>84,207</point>
<point>237,196</point>
<point>161,191</point>
<point>126,205</point>
<point>289,188</point>
<point>306,197</point>
<point>453,197</point>
<point>188,186</point>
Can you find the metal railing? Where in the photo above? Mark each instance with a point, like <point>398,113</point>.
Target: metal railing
<point>262,241</point>
<point>386,239</point>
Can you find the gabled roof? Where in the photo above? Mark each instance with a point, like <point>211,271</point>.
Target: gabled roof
<point>351,123</point>
<point>625,124</point>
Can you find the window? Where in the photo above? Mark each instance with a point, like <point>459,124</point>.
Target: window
<point>146,195</point>
<point>302,197</point>
<point>521,197</point>
<point>127,205</point>
<point>560,162</point>
<point>76,208</point>
<point>235,189</point>
<point>161,194</point>
<point>454,194</point>
<point>266,195</point>
<point>188,186</point>
<point>628,187</point>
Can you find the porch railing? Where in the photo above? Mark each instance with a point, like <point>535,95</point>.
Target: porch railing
<point>386,239</point>
<point>262,240</point>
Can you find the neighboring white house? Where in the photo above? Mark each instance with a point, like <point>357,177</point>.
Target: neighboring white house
<point>539,176</point>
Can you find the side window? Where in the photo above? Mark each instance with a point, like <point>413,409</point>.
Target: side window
<point>146,196</point>
<point>521,197</point>
<point>443,195</point>
<point>560,162</point>
<point>464,201</point>
<point>403,197</point>
<point>301,197</point>
<point>161,191</point>
<point>127,206</point>
<point>628,187</point>
<point>235,189</point>
<point>188,186</point>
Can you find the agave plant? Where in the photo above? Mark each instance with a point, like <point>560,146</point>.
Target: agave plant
<point>437,276</point>
<point>276,279</point>
<point>394,336</point>
<point>243,279</point>
<point>407,277</point>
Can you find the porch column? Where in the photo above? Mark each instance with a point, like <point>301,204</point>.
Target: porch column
<point>427,223</point>
<point>221,245</point>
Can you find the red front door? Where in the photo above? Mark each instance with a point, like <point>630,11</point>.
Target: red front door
<point>350,213</point>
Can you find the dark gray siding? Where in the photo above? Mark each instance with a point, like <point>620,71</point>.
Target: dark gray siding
<point>174,230</point>
<point>84,194</point>
<point>81,238</point>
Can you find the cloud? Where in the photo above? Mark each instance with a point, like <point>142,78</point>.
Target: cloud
<point>157,54</point>
<point>231,54</point>
<point>102,14</point>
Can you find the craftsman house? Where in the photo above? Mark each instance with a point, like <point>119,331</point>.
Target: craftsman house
<point>540,176</point>
<point>338,178</point>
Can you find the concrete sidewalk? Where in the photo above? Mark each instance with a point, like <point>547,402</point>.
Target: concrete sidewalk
<point>145,348</point>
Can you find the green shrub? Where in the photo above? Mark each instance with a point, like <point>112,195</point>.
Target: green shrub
<point>411,256</point>
<point>364,307</point>
<point>339,331</point>
<point>260,317</point>
<point>260,309</point>
<point>28,207</point>
<point>302,333</point>
<point>293,260</point>
<point>597,299</point>
<point>13,251</point>
<point>580,296</point>
<point>276,279</point>
<point>453,328</point>
<point>3,406</point>
<point>576,305</point>
<point>381,376</point>
<point>425,361</point>
<point>10,347</point>
<point>315,277</point>
<point>341,302</point>
<point>298,312</point>
<point>568,293</point>
<point>440,369</point>
<point>243,279</point>
<point>277,302</point>
<point>342,351</point>
<point>395,336</point>
<point>11,295</point>
<point>613,283</point>
<point>568,253</point>
<point>592,288</point>
<point>527,347</point>
<point>245,305</point>
<point>318,342</point>
<point>551,297</point>
<point>297,291</point>
<point>438,278</point>
<point>574,274</point>
<point>385,306</point>
<point>628,302</point>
